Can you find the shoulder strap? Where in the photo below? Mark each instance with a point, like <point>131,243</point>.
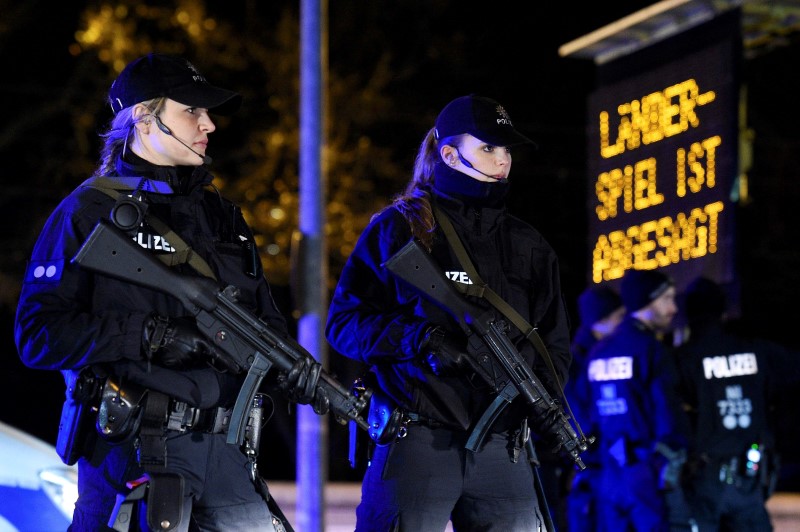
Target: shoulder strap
<point>483,289</point>
<point>115,183</point>
<point>183,253</point>
<point>490,295</point>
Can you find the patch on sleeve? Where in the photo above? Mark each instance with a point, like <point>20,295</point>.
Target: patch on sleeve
<point>48,271</point>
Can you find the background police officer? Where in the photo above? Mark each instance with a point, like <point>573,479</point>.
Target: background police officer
<point>600,310</point>
<point>729,383</point>
<point>633,412</point>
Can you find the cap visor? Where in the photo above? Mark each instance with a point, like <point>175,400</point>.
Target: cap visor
<point>215,99</point>
<point>506,138</point>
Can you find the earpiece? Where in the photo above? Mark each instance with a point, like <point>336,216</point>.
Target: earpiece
<point>167,131</point>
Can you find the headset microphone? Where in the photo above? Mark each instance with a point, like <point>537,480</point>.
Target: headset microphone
<point>469,165</point>
<point>167,131</point>
<point>464,161</point>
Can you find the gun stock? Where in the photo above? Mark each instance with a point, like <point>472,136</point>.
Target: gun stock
<point>247,342</point>
<point>416,267</point>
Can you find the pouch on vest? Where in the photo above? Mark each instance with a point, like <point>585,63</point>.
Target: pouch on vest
<point>164,501</point>
<point>162,494</point>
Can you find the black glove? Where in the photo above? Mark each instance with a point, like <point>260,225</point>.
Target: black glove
<point>300,385</point>
<point>176,343</point>
<point>444,356</point>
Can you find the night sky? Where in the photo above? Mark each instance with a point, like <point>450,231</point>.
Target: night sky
<point>506,50</point>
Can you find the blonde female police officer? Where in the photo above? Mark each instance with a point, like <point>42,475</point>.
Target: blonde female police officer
<point>69,318</point>
<point>427,478</point>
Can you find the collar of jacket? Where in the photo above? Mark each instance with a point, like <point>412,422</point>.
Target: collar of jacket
<point>452,183</point>
<point>182,179</point>
<point>638,324</point>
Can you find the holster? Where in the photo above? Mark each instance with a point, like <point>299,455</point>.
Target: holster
<point>770,473</point>
<point>384,417</point>
<point>279,520</point>
<point>76,434</point>
<point>386,420</point>
<point>120,410</point>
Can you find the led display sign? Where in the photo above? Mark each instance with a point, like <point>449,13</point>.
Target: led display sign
<point>663,151</point>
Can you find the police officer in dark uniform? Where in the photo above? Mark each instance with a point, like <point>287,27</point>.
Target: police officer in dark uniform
<point>141,346</point>
<point>426,477</point>
<point>634,413</point>
<point>729,383</point>
<point>600,310</point>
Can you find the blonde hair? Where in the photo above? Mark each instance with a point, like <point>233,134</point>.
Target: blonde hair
<point>119,133</point>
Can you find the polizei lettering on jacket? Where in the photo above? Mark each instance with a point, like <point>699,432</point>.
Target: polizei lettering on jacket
<point>154,242</point>
<point>459,277</point>
<point>723,367</point>
<point>611,369</point>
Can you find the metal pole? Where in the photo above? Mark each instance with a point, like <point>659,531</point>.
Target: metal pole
<point>312,433</point>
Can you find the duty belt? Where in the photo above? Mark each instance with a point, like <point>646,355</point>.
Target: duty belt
<point>182,417</point>
<point>162,412</point>
<point>417,419</point>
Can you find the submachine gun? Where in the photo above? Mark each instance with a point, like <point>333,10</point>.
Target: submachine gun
<point>503,367</point>
<point>247,342</point>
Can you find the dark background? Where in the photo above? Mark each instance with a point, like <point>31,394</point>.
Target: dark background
<point>439,50</point>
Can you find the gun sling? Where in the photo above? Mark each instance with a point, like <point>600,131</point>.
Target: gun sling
<point>111,186</point>
<point>483,290</point>
<point>480,289</point>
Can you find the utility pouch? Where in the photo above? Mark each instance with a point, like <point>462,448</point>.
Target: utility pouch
<point>165,501</point>
<point>120,411</point>
<point>76,434</point>
<point>162,494</point>
<point>761,462</point>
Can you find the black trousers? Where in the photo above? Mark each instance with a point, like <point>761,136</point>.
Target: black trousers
<point>218,492</point>
<point>428,478</point>
<point>736,505</point>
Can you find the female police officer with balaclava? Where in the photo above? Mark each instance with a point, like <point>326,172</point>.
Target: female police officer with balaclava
<point>425,477</point>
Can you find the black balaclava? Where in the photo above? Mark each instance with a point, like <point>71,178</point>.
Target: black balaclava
<point>450,182</point>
